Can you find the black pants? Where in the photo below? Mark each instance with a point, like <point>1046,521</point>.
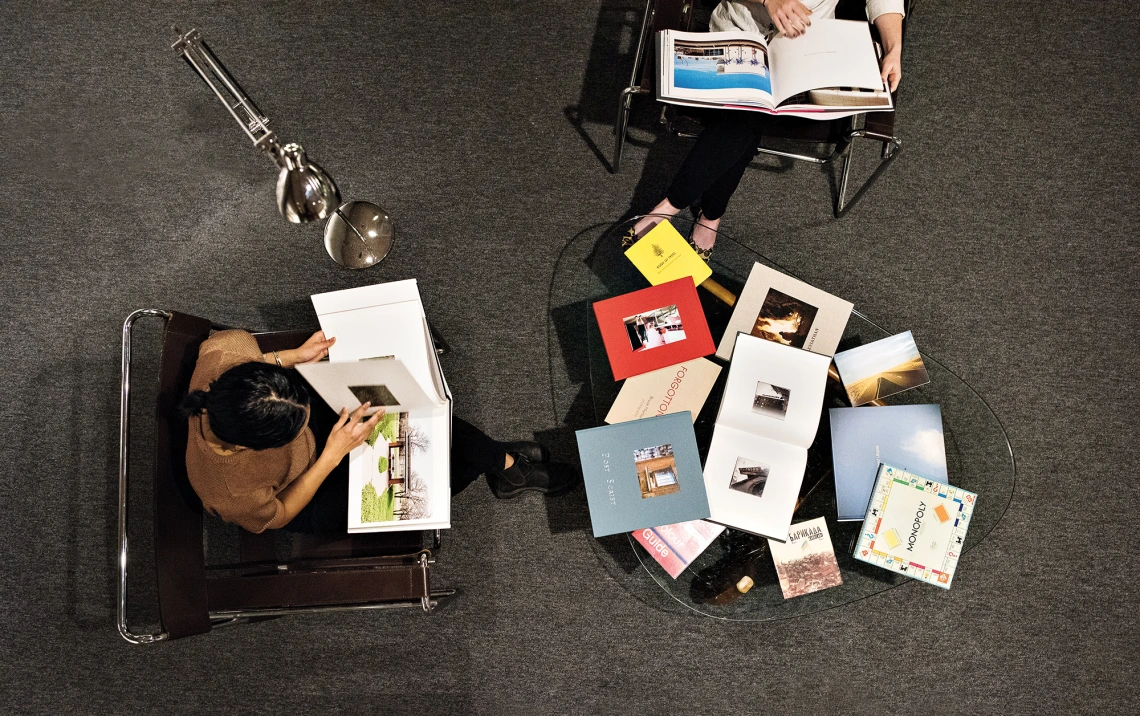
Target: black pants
<point>716,163</point>
<point>472,454</point>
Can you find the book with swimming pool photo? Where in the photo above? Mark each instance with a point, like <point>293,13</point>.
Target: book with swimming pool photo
<point>642,473</point>
<point>830,71</point>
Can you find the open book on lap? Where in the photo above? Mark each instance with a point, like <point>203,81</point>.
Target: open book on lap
<point>830,71</point>
<point>384,354</point>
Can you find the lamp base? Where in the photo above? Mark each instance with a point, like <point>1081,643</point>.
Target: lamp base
<point>359,234</point>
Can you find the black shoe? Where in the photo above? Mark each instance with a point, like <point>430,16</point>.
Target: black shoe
<point>524,476</point>
<point>532,451</point>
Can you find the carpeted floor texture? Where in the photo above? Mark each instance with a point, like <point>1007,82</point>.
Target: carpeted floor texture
<point>1004,238</point>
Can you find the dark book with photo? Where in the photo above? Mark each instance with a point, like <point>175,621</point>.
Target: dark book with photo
<point>642,473</point>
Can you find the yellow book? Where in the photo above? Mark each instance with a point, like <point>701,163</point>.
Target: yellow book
<point>663,255</point>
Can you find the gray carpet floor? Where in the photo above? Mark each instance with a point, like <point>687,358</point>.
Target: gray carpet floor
<point>1003,236</point>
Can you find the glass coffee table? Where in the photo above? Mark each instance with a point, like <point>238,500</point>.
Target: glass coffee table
<point>979,458</point>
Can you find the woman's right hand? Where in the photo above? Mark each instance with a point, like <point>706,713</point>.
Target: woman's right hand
<point>790,17</point>
<point>350,432</point>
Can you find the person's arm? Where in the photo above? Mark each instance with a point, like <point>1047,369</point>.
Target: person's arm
<point>310,351</point>
<point>348,434</point>
<point>790,17</point>
<point>889,26</point>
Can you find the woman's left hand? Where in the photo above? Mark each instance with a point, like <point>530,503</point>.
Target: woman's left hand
<point>892,68</point>
<point>311,351</point>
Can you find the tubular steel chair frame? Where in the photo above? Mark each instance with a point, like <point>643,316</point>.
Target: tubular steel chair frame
<point>347,573</point>
<point>877,126</point>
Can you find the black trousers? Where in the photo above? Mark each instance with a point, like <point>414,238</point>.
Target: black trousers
<point>473,453</point>
<point>716,163</point>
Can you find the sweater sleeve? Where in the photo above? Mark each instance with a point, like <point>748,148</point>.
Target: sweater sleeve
<point>882,7</point>
<point>219,353</point>
<point>251,510</point>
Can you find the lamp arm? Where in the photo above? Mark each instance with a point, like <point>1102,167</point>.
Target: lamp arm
<point>198,55</point>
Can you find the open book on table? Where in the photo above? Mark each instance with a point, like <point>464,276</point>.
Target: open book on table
<point>400,479</point>
<point>767,421</point>
<point>830,71</point>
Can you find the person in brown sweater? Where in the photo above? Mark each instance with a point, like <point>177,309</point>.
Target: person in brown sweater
<point>253,459</point>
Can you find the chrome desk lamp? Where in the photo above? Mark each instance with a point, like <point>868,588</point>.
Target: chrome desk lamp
<point>358,234</point>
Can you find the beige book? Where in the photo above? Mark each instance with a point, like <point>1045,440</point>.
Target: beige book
<point>673,389</point>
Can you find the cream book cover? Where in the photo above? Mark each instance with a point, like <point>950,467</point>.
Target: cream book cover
<point>806,562</point>
<point>673,389</point>
<point>785,310</point>
<point>663,255</point>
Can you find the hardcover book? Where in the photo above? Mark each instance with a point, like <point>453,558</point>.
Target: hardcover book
<point>642,474</point>
<point>806,562</point>
<point>881,368</point>
<point>653,328</point>
<point>768,418</point>
<point>908,436</point>
<point>785,310</point>
<point>385,383</point>
<point>663,255</point>
<point>830,71</point>
<point>915,526</point>
<point>676,389</point>
<point>676,546</point>
<point>400,479</point>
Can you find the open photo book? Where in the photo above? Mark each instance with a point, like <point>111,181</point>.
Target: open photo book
<point>767,421</point>
<point>400,479</point>
<point>830,71</point>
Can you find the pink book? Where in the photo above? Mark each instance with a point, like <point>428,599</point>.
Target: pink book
<point>675,546</point>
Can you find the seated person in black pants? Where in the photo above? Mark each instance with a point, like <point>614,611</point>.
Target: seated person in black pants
<point>254,460</point>
<point>729,141</point>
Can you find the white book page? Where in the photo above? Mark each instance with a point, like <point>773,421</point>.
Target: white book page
<point>385,383</point>
<point>774,391</point>
<point>753,483</point>
<point>715,66</point>
<point>831,53</point>
<point>427,441</point>
<point>778,307</point>
<point>379,294</point>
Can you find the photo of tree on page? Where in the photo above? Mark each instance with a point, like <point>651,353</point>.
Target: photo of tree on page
<point>392,489</point>
<point>727,65</point>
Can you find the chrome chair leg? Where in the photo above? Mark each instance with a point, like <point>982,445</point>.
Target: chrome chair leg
<point>892,147</point>
<point>625,103</point>
<point>124,467</point>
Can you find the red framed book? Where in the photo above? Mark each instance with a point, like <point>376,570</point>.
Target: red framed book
<point>652,328</point>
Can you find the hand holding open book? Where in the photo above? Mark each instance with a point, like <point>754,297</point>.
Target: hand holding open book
<point>831,70</point>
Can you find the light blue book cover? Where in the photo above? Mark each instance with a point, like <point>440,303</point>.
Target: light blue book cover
<point>906,436</point>
<point>642,473</point>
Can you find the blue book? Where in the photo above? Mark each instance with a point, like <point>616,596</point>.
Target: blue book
<point>906,436</point>
<point>642,473</point>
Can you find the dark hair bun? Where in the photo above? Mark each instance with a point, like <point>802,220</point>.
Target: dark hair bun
<point>254,405</point>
